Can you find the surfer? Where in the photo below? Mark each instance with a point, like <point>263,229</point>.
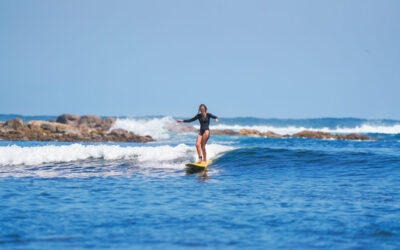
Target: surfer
<point>204,134</point>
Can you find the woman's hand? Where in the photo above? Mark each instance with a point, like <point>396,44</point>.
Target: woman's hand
<point>216,120</point>
<point>179,120</point>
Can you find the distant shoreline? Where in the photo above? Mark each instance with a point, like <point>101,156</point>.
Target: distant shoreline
<point>92,128</point>
<point>5,117</point>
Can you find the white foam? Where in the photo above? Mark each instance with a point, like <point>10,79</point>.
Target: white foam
<point>161,156</point>
<point>160,128</point>
<point>155,127</point>
<point>261,128</point>
<point>364,128</point>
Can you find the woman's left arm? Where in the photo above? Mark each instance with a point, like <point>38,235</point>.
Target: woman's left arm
<point>213,116</point>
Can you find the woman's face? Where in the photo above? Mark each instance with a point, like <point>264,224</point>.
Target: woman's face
<point>202,109</point>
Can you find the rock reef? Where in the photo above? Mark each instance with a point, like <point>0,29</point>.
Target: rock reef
<point>185,128</point>
<point>324,135</point>
<point>92,128</point>
<point>68,128</point>
<point>302,134</point>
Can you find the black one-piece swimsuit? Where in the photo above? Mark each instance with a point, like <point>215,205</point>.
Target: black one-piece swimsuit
<point>204,122</point>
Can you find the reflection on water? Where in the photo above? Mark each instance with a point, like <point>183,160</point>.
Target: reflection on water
<point>204,176</point>
<point>102,168</point>
<point>202,173</point>
<point>87,169</point>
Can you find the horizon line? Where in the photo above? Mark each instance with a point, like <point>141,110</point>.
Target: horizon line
<point>223,117</point>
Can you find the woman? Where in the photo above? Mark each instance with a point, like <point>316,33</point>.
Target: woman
<point>202,138</point>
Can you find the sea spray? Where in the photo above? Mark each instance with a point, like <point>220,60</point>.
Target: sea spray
<point>155,127</point>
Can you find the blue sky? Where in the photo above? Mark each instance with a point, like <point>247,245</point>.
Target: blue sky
<point>284,59</point>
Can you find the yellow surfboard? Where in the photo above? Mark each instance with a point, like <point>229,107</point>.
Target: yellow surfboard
<point>199,165</point>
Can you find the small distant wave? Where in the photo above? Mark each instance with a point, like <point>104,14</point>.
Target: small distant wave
<point>361,129</point>
<point>161,156</point>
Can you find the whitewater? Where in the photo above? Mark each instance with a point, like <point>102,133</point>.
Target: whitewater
<point>157,156</point>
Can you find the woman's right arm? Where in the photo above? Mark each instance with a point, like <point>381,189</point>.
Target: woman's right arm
<point>189,120</point>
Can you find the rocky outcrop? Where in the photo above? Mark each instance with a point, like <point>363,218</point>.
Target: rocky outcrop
<point>355,137</point>
<point>254,132</point>
<point>90,121</point>
<point>270,134</point>
<point>68,119</point>
<point>325,135</point>
<point>223,132</point>
<point>86,121</point>
<point>313,134</point>
<point>107,123</point>
<point>14,124</point>
<point>90,129</point>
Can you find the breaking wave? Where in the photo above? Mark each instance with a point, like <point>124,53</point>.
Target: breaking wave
<point>161,156</point>
<point>155,127</point>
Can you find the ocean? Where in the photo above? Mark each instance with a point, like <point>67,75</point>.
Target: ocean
<point>259,193</point>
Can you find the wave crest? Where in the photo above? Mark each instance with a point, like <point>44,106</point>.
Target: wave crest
<point>156,156</point>
<point>155,127</point>
<point>290,130</point>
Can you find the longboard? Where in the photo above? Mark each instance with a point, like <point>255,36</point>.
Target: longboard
<point>199,165</point>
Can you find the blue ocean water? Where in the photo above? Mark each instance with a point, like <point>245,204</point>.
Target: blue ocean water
<point>258,193</point>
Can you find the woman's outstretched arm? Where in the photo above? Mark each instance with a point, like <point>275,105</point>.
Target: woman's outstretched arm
<point>189,120</point>
<point>213,116</point>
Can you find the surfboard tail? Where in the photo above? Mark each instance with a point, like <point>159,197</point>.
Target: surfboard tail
<point>204,165</point>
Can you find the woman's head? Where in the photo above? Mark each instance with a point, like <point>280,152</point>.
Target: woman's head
<point>203,109</point>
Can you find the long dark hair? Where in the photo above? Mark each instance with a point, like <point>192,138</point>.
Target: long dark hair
<point>205,107</point>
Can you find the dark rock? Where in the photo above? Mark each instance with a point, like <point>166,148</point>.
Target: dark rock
<point>271,134</point>
<point>249,132</point>
<point>107,123</point>
<point>15,124</point>
<point>68,119</point>
<point>313,134</point>
<point>325,135</point>
<point>223,132</point>
<point>118,131</point>
<point>356,137</point>
<point>49,127</point>
<point>90,121</point>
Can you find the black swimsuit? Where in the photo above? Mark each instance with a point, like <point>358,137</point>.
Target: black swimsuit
<point>204,123</point>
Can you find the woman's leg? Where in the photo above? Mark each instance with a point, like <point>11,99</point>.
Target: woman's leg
<point>198,146</point>
<point>204,140</point>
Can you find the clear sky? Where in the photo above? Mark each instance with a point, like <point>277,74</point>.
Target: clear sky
<point>284,59</point>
